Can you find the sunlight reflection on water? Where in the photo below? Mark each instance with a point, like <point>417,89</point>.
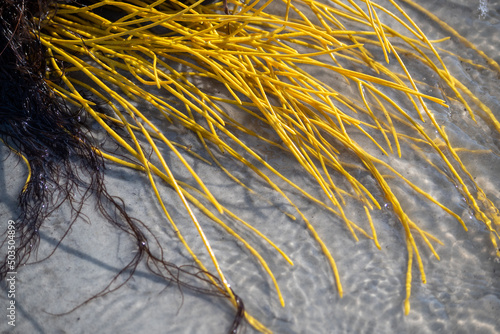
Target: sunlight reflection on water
<point>462,294</point>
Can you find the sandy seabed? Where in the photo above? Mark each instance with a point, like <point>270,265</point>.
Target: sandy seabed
<point>462,293</point>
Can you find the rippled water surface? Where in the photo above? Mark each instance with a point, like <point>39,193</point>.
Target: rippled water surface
<point>462,293</point>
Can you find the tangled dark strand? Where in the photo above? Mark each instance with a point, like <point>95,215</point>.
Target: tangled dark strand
<point>64,166</point>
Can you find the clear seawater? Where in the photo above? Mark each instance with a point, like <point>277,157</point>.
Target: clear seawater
<point>462,293</point>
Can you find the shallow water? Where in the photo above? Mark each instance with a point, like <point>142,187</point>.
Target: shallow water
<point>462,293</point>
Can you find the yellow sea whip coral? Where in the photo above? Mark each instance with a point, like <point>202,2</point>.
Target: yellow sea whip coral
<point>118,52</point>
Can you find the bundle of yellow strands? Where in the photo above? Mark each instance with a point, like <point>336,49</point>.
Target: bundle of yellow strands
<point>107,56</point>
